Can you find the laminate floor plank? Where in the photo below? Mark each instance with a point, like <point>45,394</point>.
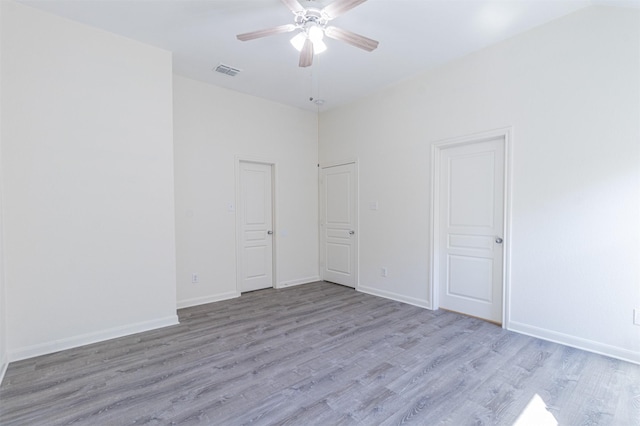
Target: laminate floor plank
<point>319,354</point>
<point>432,391</point>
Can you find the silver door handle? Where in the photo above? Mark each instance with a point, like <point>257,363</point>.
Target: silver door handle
<point>498,240</point>
<point>352,232</point>
<point>269,232</point>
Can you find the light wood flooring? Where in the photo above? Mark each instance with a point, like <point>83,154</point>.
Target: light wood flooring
<point>319,354</point>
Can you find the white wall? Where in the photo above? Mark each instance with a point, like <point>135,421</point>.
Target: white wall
<point>570,89</point>
<point>212,127</point>
<point>87,165</point>
<point>4,360</point>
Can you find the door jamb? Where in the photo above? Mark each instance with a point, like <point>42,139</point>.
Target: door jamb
<point>436,148</point>
<point>274,216</point>
<point>325,165</point>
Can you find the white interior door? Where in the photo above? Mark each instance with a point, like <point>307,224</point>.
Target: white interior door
<point>338,223</point>
<point>471,223</point>
<point>255,208</point>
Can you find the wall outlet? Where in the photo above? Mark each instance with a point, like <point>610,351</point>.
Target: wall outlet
<point>195,278</point>
<point>636,316</point>
<point>384,272</point>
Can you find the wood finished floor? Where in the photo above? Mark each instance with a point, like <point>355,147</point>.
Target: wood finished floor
<point>319,354</point>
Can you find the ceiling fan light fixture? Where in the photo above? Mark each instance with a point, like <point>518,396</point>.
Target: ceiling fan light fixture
<point>319,46</point>
<point>315,34</point>
<point>298,42</point>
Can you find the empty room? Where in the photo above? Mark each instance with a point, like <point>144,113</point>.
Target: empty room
<point>228,212</point>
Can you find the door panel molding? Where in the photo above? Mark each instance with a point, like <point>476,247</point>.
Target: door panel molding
<point>239,159</point>
<point>435,241</point>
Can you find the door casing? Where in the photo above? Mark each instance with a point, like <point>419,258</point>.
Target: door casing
<point>507,135</point>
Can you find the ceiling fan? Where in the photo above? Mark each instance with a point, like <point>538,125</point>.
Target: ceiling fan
<point>313,25</point>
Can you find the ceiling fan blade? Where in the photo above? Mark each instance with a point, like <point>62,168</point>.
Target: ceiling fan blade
<point>264,33</point>
<point>293,6</point>
<point>351,38</point>
<point>306,54</point>
<point>338,7</point>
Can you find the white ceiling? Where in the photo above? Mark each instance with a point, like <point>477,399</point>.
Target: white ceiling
<point>414,35</point>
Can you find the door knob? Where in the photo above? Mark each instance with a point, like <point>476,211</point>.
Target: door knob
<point>269,232</point>
<point>498,240</point>
<point>352,232</point>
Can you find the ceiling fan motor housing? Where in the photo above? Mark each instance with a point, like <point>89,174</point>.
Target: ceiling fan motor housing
<point>311,17</point>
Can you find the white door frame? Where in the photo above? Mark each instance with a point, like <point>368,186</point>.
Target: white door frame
<point>436,149</point>
<point>238,225</point>
<point>356,240</point>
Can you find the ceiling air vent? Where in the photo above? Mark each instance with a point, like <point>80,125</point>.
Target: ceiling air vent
<point>226,69</point>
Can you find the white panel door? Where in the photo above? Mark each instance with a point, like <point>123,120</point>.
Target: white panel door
<point>256,230</point>
<point>471,210</point>
<point>338,220</point>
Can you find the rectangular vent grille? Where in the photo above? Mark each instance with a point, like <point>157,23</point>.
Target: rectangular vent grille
<point>226,69</point>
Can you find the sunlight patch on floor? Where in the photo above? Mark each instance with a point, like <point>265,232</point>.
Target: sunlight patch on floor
<point>536,414</point>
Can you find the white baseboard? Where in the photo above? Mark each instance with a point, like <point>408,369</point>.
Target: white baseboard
<point>395,296</point>
<point>187,303</point>
<point>575,342</point>
<point>300,281</point>
<point>89,338</point>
